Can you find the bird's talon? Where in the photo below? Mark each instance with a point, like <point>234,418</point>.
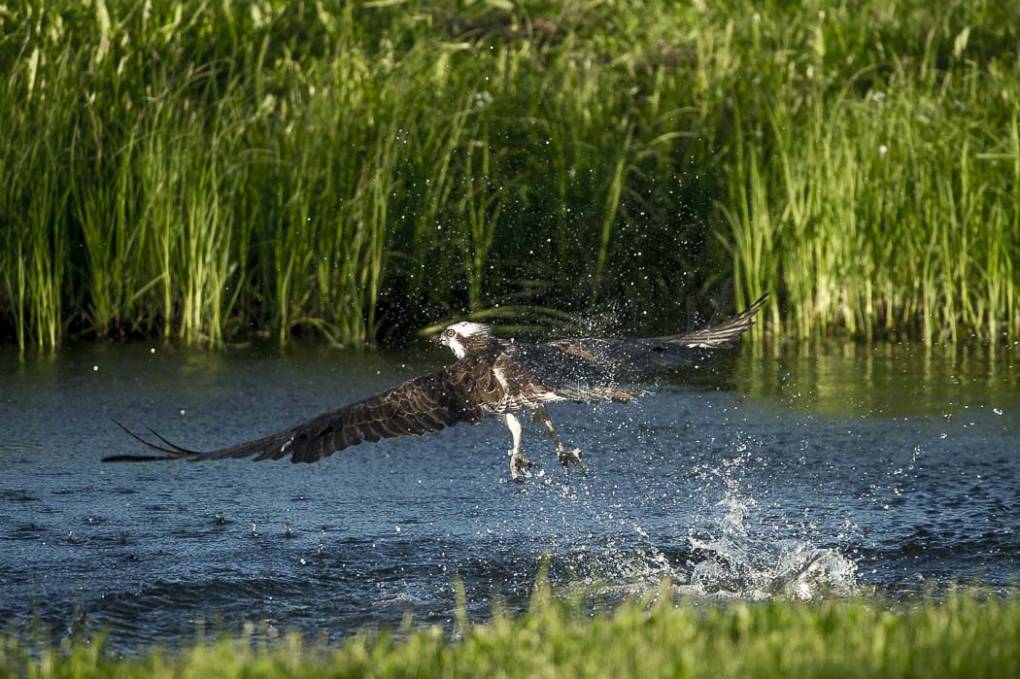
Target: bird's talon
<point>566,457</point>
<point>519,466</point>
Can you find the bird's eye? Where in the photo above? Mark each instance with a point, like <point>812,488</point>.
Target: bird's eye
<point>450,332</point>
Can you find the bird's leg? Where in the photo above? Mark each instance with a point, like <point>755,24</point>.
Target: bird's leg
<point>519,462</point>
<point>565,456</point>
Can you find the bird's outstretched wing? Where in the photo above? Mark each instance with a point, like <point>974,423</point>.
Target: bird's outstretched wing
<point>725,334</point>
<point>601,359</point>
<point>421,405</point>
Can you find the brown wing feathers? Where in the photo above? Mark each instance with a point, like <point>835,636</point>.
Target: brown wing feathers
<point>723,334</point>
<point>425,404</point>
<point>627,358</point>
<point>457,393</point>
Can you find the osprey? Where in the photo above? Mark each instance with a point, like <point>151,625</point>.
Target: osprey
<point>491,377</point>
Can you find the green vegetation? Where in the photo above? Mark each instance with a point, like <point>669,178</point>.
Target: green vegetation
<point>358,169</point>
<point>965,636</point>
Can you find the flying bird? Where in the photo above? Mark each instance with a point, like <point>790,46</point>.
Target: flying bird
<point>491,376</point>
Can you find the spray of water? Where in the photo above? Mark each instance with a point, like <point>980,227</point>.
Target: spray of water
<point>727,555</point>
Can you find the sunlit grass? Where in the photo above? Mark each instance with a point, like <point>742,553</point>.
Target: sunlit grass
<point>963,636</point>
<point>201,172</point>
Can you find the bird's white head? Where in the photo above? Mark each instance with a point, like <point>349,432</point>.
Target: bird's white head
<point>461,336</point>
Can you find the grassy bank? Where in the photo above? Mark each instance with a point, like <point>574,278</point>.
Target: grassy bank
<point>961,637</point>
<point>357,170</point>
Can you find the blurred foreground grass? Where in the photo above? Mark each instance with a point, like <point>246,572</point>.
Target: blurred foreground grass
<point>203,171</point>
<point>962,636</point>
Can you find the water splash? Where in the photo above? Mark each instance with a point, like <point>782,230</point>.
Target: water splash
<point>736,557</point>
<point>729,554</point>
<point>739,563</point>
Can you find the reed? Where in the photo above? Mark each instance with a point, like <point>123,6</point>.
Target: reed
<point>360,170</point>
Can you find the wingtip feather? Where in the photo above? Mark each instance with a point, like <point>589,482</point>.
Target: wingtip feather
<point>136,458</point>
<point>174,452</point>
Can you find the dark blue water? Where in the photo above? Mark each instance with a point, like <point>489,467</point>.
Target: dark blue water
<point>805,473</point>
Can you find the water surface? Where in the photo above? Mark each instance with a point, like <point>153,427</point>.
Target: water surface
<point>798,472</point>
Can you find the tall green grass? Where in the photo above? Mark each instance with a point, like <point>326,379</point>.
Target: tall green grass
<point>358,170</point>
<point>884,200</point>
<point>964,636</point>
